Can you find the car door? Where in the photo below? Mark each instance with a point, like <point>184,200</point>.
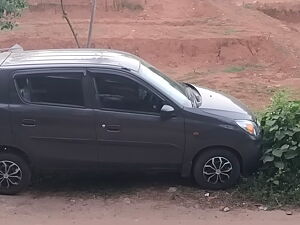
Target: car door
<point>52,119</point>
<point>130,131</point>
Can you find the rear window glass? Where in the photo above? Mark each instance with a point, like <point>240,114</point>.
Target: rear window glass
<point>51,89</point>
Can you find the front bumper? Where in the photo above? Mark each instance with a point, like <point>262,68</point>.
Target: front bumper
<point>252,152</point>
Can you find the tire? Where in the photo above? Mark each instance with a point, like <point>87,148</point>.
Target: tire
<point>19,171</point>
<point>225,162</point>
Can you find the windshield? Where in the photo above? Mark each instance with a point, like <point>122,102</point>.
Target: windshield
<point>174,90</point>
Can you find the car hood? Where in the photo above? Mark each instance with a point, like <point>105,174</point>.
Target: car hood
<point>223,105</point>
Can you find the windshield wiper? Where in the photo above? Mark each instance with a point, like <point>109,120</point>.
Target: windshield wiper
<point>193,95</point>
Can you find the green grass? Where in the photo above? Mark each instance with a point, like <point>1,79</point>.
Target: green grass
<point>230,31</point>
<point>131,6</point>
<point>241,68</point>
<point>255,189</point>
<point>235,69</point>
<point>248,5</point>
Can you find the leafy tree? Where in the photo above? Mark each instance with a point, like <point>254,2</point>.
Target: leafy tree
<point>9,9</point>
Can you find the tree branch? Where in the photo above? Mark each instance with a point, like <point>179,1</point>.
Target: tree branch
<point>65,16</point>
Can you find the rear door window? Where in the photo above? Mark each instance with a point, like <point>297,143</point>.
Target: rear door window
<point>57,89</point>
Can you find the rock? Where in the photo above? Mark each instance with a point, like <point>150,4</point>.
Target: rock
<point>289,213</point>
<point>172,189</point>
<point>226,209</point>
<point>264,208</point>
<point>127,201</point>
<point>206,195</point>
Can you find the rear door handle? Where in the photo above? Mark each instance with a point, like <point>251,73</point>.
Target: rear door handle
<point>29,123</point>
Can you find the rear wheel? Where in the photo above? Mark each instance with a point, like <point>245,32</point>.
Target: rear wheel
<point>216,169</point>
<point>15,174</point>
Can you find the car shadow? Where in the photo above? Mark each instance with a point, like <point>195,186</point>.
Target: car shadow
<point>112,185</point>
<point>126,188</point>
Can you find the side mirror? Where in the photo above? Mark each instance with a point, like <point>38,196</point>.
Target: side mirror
<point>167,112</point>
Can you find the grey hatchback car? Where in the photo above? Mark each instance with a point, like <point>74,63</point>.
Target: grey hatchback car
<point>94,109</point>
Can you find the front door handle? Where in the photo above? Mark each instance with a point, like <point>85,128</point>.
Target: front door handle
<point>28,123</point>
<point>111,128</point>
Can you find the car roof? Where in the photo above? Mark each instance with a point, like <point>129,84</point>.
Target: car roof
<point>59,57</point>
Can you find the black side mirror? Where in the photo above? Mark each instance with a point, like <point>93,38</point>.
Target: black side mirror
<point>167,112</point>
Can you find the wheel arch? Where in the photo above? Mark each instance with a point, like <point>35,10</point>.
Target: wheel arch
<point>232,150</point>
<point>17,151</point>
<point>188,167</point>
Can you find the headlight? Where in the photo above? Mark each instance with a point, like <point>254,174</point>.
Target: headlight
<point>249,126</point>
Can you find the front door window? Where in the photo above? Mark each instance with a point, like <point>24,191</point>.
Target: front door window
<point>119,93</point>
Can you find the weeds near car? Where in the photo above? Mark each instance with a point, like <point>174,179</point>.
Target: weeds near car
<point>278,181</point>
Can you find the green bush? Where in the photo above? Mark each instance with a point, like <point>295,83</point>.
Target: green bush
<point>10,9</point>
<point>281,126</point>
<point>278,181</point>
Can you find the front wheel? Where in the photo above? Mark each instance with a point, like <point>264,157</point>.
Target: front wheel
<point>15,174</point>
<point>216,169</point>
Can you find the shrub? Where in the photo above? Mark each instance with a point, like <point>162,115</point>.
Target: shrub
<point>10,9</point>
<point>281,125</point>
<point>278,181</point>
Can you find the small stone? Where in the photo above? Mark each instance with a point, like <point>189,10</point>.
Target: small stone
<point>264,208</point>
<point>206,195</point>
<point>289,213</point>
<point>172,189</point>
<point>226,209</point>
<point>73,200</point>
<point>127,201</point>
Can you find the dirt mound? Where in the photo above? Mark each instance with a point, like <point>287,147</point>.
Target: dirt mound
<point>190,32</point>
<point>285,11</point>
<point>169,51</point>
<point>138,9</point>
